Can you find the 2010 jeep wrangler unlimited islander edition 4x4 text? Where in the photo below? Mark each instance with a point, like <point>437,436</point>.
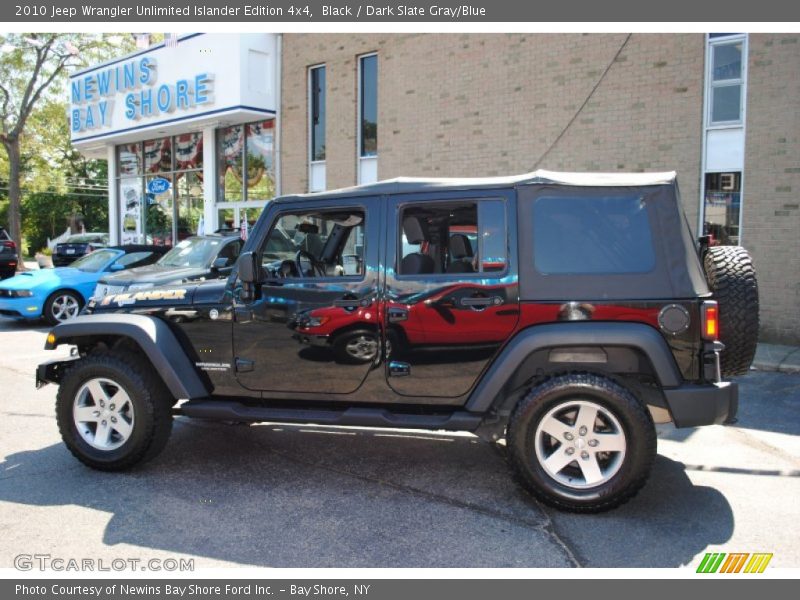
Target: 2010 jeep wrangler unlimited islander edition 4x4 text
<point>564,313</point>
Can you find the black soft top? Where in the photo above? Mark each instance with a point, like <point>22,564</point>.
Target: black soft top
<point>411,185</point>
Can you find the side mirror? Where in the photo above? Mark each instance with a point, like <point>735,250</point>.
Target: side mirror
<point>249,268</point>
<point>116,267</point>
<point>219,263</point>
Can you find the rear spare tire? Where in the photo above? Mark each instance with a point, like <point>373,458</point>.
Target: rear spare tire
<point>732,278</point>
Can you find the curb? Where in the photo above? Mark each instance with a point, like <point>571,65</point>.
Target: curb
<point>782,359</point>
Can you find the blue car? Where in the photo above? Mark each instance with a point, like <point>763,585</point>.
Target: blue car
<point>58,295</point>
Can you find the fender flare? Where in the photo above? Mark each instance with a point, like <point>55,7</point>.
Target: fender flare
<point>555,335</point>
<point>153,336</point>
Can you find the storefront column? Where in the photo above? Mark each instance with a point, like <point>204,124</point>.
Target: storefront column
<point>113,202</point>
<point>209,180</point>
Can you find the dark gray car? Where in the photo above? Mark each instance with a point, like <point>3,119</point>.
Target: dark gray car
<point>194,259</point>
<point>8,255</point>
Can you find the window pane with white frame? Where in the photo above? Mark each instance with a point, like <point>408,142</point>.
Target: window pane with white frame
<point>317,108</point>
<point>726,82</point>
<point>368,105</point>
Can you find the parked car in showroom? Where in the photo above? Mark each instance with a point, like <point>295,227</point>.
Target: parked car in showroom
<point>194,259</point>
<point>8,255</point>
<point>59,294</point>
<point>75,246</point>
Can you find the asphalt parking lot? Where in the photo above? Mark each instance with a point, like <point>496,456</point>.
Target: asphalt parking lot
<point>286,496</point>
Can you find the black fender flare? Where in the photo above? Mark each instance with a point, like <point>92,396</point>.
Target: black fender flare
<point>555,335</point>
<point>152,335</point>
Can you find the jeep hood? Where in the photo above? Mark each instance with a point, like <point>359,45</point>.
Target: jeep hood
<point>155,274</point>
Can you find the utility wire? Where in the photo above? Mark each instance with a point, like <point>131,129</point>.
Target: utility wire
<point>582,106</point>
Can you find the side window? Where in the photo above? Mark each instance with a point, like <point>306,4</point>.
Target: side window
<point>230,252</point>
<point>592,235</point>
<point>316,244</point>
<point>453,238</point>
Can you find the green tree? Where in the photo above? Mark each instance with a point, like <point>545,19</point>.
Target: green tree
<point>32,65</point>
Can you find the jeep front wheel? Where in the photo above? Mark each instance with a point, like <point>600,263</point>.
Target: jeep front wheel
<point>581,442</point>
<point>112,413</point>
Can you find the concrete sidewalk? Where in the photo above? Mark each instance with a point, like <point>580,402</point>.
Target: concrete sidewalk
<point>774,357</point>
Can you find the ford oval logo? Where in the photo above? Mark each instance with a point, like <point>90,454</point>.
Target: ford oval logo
<point>159,185</point>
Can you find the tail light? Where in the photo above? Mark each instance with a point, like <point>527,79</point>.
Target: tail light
<point>709,312</point>
<point>10,244</point>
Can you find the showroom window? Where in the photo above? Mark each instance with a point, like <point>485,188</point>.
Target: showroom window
<point>245,174</point>
<point>723,204</point>
<point>368,118</point>
<point>246,157</point>
<point>160,189</point>
<point>316,130</point>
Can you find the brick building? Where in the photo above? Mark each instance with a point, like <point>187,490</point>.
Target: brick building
<point>202,133</point>
<point>721,110</point>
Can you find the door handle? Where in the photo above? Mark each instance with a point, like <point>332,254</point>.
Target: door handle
<point>353,302</point>
<point>244,365</point>
<point>481,302</point>
<point>349,303</point>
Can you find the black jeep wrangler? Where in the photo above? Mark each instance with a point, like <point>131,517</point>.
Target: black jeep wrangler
<point>562,313</point>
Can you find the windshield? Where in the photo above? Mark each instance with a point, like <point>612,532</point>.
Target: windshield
<point>194,252</point>
<point>279,245</point>
<point>95,261</point>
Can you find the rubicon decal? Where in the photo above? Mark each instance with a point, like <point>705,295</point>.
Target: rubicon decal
<point>734,562</point>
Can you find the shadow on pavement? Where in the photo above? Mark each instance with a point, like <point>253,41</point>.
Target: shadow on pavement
<point>286,496</point>
<point>770,402</point>
<point>666,525</point>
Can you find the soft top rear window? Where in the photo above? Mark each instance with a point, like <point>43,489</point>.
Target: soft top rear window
<point>595,235</point>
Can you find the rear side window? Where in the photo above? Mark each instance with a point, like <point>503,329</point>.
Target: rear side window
<point>453,237</point>
<point>592,235</point>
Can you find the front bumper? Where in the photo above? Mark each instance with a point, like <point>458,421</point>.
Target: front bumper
<point>52,371</point>
<point>21,308</point>
<point>694,405</point>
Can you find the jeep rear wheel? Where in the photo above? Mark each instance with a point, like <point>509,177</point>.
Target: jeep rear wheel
<point>112,413</point>
<point>732,279</point>
<point>581,442</point>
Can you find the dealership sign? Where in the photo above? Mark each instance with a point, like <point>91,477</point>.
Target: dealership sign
<point>135,83</point>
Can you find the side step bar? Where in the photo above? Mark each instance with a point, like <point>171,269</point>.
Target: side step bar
<point>223,410</point>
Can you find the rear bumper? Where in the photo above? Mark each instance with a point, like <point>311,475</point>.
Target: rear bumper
<point>707,404</point>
